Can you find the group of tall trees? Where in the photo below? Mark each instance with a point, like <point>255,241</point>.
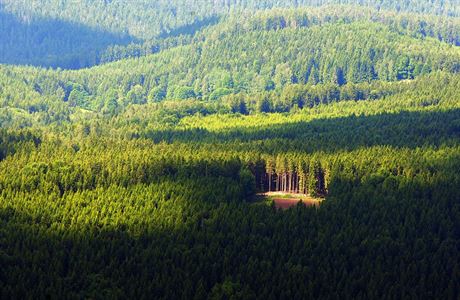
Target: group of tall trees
<point>305,177</point>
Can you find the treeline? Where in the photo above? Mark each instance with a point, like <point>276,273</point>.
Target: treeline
<point>425,91</point>
<point>297,96</point>
<point>293,175</point>
<point>35,105</point>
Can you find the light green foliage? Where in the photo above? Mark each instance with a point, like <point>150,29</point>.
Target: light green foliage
<point>233,58</point>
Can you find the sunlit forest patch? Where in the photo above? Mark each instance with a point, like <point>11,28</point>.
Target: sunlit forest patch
<point>283,200</point>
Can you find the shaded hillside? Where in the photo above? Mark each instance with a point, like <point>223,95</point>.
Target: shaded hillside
<point>53,42</point>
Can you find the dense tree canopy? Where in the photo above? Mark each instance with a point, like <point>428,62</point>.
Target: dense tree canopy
<point>273,55</point>
<point>76,34</point>
<point>143,178</point>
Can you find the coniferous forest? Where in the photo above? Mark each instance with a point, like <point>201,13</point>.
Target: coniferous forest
<point>139,141</point>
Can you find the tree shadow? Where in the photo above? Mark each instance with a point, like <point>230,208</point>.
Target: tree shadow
<point>191,28</point>
<point>53,42</point>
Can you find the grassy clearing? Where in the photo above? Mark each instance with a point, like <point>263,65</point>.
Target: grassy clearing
<point>286,200</point>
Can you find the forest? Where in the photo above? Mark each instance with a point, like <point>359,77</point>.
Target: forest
<point>76,34</point>
<point>136,140</point>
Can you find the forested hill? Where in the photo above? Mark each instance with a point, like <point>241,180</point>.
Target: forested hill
<point>267,62</point>
<point>77,34</point>
<point>132,17</point>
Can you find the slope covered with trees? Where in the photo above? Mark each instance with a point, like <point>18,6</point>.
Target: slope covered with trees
<point>139,178</point>
<point>56,30</point>
<point>268,57</point>
<point>82,208</point>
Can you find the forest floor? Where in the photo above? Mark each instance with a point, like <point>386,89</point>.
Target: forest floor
<point>286,200</point>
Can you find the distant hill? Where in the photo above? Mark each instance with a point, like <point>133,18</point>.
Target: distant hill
<point>266,53</point>
<point>76,34</point>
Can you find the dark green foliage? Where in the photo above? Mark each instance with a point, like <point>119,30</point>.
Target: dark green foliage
<point>80,212</point>
<point>183,92</point>
<point>53,43</point>
<point>177,217</point>
<point>19,140</point>
<point>156,94</point>
<point>139,178</point>
<point>263,104</point>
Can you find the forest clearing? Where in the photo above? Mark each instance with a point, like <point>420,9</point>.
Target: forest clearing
<point>287,200</point>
